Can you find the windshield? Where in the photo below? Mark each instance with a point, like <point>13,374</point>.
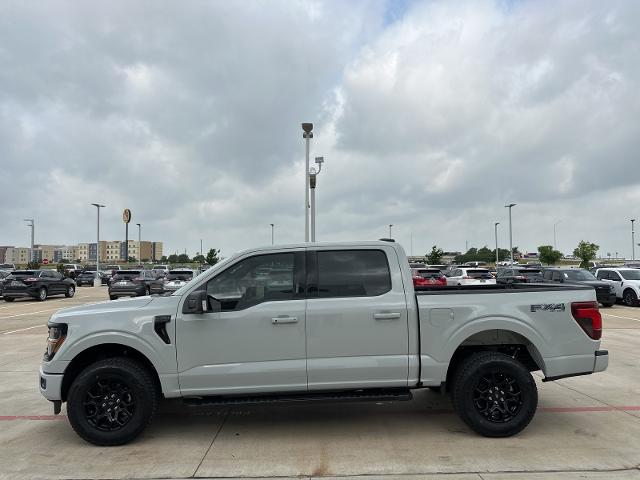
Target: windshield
<point>529,272</point>
<point>479,274</point>
<point>582,275</point>
<point>126,274</point>
<point>25,273</point>
<point>630,274</point>
<point>428,273</point>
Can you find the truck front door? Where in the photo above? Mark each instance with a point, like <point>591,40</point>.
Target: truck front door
<point>357,331</point>
<point>256,343</point>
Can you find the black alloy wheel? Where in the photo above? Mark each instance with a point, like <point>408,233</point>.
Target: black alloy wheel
<point>70,291</point>
<point>630,298</point>
<point>494,394</point>
<point>42,294</point>
<point>112,401</point>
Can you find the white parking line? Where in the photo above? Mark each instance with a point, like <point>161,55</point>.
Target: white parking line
<point>30,313</point>
<point>23,329</point>
<point>618,316</point>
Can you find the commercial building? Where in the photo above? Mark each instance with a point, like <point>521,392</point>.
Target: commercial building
<point>16,255</point>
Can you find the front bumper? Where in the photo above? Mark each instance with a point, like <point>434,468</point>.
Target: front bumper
<point>51,385</point>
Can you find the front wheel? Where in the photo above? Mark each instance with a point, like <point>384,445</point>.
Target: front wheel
<point>70,291</point>
<point>607,305</point>
<point>494,394</point>
<point>112,401</point>
<point>9,299</point>
<point>630,298</point>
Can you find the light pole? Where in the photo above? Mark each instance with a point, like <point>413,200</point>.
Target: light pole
<point>307,135</point>
<point>97,279</point>
<point>390,225</point>
<point>510,206</point>
<point>139,235</point>
<point>554,233</point>
<point>633,241</point>
<point>495,226</point>
<point>313,178</point>
<point>272,225</point>
<point>32,224</point>
<point>201,252</point>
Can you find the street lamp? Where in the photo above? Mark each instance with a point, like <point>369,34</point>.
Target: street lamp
<point>313,176</point>
<point>33,227</point>
<point>97,278</point>
<point>390,225</point>
<point>510,206</point>
<point>272,225</point>
<point>495,226</point>
<point>307,135</point>
<point>554,233</point>
<point>633,241</point>
<point>139,234</point>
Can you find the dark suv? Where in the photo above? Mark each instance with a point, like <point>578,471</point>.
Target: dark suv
<point>605,293</point>
<point>511,275</point>
<point>38,284</point>
<point>134,283</point>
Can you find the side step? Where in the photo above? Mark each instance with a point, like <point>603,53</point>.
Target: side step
<point>373,395</point>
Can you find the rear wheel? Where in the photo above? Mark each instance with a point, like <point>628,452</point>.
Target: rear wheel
<point>112,401</point>
<point>112,297</point>
<point>70,291</point>
<point>42,294</point>
<point>630,298</point>
<point>607,305</point>
<point>9,299</point>
<point>494,394</point>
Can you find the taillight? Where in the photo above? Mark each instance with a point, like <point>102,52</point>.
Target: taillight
<point>30,279</point>
<point>520,277</point>
<point>442,280</point>
<point>138,279</point>
<point>588,317</point>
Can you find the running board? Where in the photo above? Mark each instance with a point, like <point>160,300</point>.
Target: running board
<point>377,395</point>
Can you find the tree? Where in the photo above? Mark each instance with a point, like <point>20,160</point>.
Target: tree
<point>435,256</point>
<point>213,256</point>
<point>586,251</point>
<point>183,258</point>
<point>164,259</point>
<point>548,255</point>
<point>199,259</point>
<point>173,258</point>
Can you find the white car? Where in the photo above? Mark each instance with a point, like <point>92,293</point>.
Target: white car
<point>625,281</point>
<point>470,276</point>
<point>164,269</point>
<point>177,278</point>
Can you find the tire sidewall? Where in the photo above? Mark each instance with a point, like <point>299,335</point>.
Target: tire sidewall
<point>42,297</point>
<point>630,298</point>
<point>142,397</point>
<point>70,291</point>
<point>467,410</point>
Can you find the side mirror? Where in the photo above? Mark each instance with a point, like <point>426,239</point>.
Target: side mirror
<point>199,302</point>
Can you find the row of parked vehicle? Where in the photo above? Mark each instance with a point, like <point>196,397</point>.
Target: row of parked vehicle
<point>611,284</point>
<point>43,283</point>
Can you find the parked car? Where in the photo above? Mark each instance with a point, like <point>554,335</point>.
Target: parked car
<point>134,283</point>
<point>113,269</point>
<point>177,278</point>
<point>72,270</point>
<point>470,276</point>
<point>162,269</point>
<point>38,284</point>
<point>3,275</point>
<point>7,266</point>
<point>417,265</point>
<point>605,292</point>
<point>519,275</point>
<point>428,277</point>
<point>442,268</point>
<point>626,265</point>
<point>347,326</point>
<point>88,276</point>
<point>625,281</point>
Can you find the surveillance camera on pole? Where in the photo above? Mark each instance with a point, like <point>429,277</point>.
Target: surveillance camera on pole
<point>308,134</point>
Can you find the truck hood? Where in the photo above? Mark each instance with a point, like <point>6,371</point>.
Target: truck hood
<point>108,306</point>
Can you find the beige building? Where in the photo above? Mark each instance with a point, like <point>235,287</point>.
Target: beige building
<point>17,255</point>
<point>113,251</point>
<point>157,252</point>
<point>83,252</point>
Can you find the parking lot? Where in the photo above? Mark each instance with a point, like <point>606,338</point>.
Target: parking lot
<point>586,427</point>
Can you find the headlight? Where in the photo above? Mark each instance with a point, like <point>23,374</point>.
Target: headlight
<point>57,335</point>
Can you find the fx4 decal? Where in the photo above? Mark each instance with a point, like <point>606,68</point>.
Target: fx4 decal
<point>548,307</point>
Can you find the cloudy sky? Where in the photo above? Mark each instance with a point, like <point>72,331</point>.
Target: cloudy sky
<point>431,116</point>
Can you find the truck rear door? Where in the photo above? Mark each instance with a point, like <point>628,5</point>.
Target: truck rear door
<point>357,330</point>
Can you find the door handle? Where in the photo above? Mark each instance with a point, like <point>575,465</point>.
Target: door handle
<point>386,316</point>
<point>281,320</point>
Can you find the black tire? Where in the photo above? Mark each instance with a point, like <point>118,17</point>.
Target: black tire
<point>71,291</point>
<point>112,297</point>
<point>9,299</point>
<point>482,383</point>
<point>630,298</point>
<point>147,291</point>
<point>42,294</point>
<point>435,389</point>
<point>129,403</point>
<point>607,305</point>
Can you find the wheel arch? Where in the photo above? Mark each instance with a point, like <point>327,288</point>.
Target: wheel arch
<point>507,341</point>
<point>100,352</point>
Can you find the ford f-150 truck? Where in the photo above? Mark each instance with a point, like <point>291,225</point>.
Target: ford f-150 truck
<point>313,322</point>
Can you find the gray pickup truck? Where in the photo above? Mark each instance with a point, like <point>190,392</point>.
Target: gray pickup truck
<point>317,322</point>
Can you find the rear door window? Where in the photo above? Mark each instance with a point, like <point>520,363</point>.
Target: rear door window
<point>352,273</point>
